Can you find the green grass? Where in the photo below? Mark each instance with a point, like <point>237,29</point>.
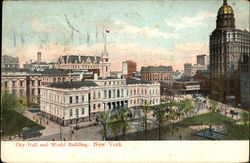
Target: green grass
<point>207,118</point>
<point>13,122</point>
<point>237,132</point>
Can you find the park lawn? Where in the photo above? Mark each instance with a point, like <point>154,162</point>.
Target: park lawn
<point>237,132</point>
<point>207,118</point>
<point>13,122</point>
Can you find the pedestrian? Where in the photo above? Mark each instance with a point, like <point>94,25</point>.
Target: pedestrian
<point>64,139</point>
<point>47,122</point>
<point>180,136</point>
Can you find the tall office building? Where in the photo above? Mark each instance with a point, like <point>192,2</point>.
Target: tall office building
<point>229,48</point>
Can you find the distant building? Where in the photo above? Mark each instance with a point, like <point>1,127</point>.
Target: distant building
<point>190,70</point>
<point>187,70</point>
<point>157,74</point>
<point>201,60</point>
<point>95,64</point>
<point>176,75</point>
<point>26,84</point>
<point>38,65</point>
<point>128,69</point>
<point>15,81</point>
<point>78,101</point>
<point>137,74</point>
<point>9,62</point>
<point>116,74</point>
<point>203,78</point>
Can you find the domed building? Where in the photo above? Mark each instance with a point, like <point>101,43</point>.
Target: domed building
<point>229,60</point>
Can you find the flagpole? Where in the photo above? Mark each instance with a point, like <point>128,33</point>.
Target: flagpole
<point>105,40</point>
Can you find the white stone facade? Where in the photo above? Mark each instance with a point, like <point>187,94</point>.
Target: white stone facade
<point>68,105</point>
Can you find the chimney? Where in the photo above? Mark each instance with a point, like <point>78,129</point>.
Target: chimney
<point>39,56</point>
<point>95,76</point>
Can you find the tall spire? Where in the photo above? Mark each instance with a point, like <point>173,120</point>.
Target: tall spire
<point>224,2</point>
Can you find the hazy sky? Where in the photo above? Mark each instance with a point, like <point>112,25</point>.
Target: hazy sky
<point>148,32</point>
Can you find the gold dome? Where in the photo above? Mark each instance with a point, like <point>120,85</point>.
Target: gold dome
<point>225,9</point>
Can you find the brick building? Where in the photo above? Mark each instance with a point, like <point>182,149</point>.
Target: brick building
<point>128,69</point>
<point>157,74</point>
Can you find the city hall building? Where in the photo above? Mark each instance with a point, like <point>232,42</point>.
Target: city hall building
<point>78,101</point>
<point>229,58</point>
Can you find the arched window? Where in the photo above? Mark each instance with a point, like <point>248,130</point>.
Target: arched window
<point>54,80</point>
<point>113,93</point>
<point>105,94</point>
<point>118,93</point>
<point>109,93</point>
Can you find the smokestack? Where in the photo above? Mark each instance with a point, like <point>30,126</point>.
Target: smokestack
<point>95,76</point>
<point>39,56</point>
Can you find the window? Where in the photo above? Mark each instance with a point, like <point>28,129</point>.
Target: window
<point>39,82</point>
<point>70,113</point>
<point>83,111</point>
<point>13,84</point>
<point>94,95</point>
<point>32,83</point>
<point>109,93</point>
<point>99,94</point>
<point>105,94</point>
<point>5,83</point>
<point>76,99</point>
<point>33,91</point>
<point>94,106</point>
<point>118,93</point>
<point>70,100</point>
<point>99,105</point>
<point>21,83</point>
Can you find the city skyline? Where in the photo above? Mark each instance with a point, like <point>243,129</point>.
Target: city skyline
<point>133,32</point>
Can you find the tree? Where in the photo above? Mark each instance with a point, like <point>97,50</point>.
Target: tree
<point>115,124</point>
<point>119,122</point>
<point>163,114</point>
<point>104,119</point>
<point>123,116</point>
<point>244,117</point>
<point>188,106</point>
<point>145,111</point>
<point>9,101</point>
<point>9,105</point>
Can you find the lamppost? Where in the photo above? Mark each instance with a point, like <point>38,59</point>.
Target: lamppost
<point>62,123</point>
<point>104,127</point>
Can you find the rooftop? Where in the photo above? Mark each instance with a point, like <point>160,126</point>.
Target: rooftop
<point>73,84</point>
<point>158,68</point>
<point>135,81</point>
